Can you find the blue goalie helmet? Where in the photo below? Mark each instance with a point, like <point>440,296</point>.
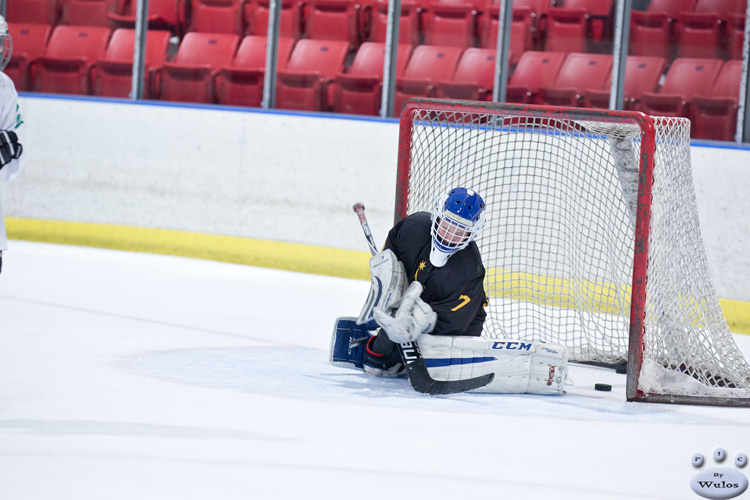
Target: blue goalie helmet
<point>457,219</point>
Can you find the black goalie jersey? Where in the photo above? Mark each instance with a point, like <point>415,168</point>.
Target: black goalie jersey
<point>455,291</point>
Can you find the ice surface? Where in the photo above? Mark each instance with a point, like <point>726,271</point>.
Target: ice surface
<point>127,375</point>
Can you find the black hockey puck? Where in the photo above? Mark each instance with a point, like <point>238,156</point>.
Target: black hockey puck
<point>603,387</point>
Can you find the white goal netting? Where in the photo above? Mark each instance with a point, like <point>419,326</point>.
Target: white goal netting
<point>558,247</point>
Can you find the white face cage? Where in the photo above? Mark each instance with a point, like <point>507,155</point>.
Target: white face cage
<point>450,233</point>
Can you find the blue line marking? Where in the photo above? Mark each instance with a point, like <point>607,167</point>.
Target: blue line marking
<point>208,107</point>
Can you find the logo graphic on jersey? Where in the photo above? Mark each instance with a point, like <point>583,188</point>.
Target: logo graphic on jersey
<point>19,121</point>
<point>421,267</point>
<point>464,300</point>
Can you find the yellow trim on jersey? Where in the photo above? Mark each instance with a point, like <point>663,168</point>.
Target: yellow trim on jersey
<point>320,260</point>
<point>421,267</point>
<point>464,300</point>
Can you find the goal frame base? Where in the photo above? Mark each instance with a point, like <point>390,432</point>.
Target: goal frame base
<point>690,400</point>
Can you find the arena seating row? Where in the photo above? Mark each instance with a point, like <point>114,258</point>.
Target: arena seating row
<point>689,28</point>
<point>460,23</point>
<point>225,68</point>
<point>669,28</point>
<point>315,75</point>
<point>704,90</point>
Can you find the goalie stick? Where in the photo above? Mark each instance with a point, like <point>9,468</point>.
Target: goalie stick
<point>416,369</point>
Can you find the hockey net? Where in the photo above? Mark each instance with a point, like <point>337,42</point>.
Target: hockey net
<point>592,240</point>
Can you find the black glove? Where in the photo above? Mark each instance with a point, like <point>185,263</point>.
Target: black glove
<point>10,148</point>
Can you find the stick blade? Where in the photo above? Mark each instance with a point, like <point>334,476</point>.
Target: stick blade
<point>428,385</point>
<point>421,381</point>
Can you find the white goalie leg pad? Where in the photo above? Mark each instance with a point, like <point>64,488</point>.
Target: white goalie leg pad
<point>519,366</point>
<point>388,281</point>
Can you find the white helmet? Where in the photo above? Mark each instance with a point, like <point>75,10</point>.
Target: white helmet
<point>6,44</point>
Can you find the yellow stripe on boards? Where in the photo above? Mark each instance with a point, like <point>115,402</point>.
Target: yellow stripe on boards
<point>551,291</point>
<point>261,253</point>
<point>605,298</point>
<point>737,314</point>
<point>548,291</point>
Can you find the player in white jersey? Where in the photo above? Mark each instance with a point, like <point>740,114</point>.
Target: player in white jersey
<point>11,126</point>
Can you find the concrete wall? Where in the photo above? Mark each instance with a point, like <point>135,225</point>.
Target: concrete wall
<point>274,176</point>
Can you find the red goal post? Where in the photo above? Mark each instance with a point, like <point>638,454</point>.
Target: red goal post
<point>592,241</point>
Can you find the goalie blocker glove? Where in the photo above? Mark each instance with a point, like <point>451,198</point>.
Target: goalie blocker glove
<point>10,148</point>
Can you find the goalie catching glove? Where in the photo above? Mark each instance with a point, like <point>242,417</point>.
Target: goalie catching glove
<point>413,318</point>
<point>388,283</point>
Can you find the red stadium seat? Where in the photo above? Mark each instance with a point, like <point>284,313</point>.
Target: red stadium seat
<point>71,51</point>
<point>600,16</point>
<point>307,81</point>
<point>427,66</point>
<point>32,11</point>
<point>685,79</point>
<point>578,73</point>
<point>408,31</point>
<point>642,74</point>
<point>698,35</point>
<point>534,70</point>
<point>474,77</point>
<point>672,8</point>
<point>359,90</point>
<point>652,31</point>
<point>521,30</point>
<point>449,24</point>
<point>89,12</point>
<point>736,28</point>
<point>566,30</point>
<point>724,8</point>
<point>216,16</point>
<point>541,7</point>
<point>162,14</point>
<point>112,75</point>
<point>190,76</point>
<point>539,14</point>
<point>256,17</point>
<point>334,20</point>
<point>29,42</point>
<point>650,34</point>
<point>252,52</point>
<point>714,116</point>
<point>241,84</point>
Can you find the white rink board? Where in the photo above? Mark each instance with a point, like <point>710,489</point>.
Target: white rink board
<point>252,174</point>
